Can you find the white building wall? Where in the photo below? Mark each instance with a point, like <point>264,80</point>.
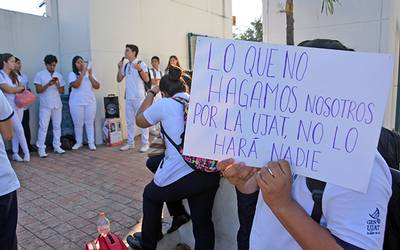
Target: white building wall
<point>368,26</point>
<point>158,27</point>
<point>30,38</point>
<point>99,29</point>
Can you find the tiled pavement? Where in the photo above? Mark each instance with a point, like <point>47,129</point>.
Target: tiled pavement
<point>61,196</point>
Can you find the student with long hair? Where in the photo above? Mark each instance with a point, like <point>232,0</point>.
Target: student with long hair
<point>10,85</point>
<point>174,179</point>
<point>23,80</point>
<point>172,61</point>
<point>82,101</point>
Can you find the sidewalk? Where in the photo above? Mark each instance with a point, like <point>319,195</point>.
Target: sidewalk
<point>61,196</point>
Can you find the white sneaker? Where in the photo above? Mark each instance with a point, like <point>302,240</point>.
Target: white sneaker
<point>42,153</point>
<point>127,147</point>
<point>144,148</point>
<point>77,146</point>
<point>27,158</point>
<point>17,158</point>
<point>92,147</point>
<point>59,150</point>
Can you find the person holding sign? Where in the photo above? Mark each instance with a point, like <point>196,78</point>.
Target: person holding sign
<point>174,179</point>
<point>82,101</point>
<point>286,215</point>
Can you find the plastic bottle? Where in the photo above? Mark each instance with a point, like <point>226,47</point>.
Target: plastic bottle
<point>103,224</point>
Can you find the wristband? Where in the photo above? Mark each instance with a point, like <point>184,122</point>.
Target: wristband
<point>152,92</point>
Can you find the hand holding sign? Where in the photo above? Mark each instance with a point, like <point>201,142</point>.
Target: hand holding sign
<point>321,110</point>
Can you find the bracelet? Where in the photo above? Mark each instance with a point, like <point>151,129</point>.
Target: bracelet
<point>152,92</point>
<point>140,70</point>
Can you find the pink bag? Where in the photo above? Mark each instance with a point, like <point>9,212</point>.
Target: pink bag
<point>24,99</point>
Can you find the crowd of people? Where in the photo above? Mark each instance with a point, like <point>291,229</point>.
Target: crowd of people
<point>276,209</point>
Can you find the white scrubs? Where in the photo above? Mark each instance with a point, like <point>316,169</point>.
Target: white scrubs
<point>134,95</point>
<point>50,108</point>
<point>19,138</point>
<point>82,105</point>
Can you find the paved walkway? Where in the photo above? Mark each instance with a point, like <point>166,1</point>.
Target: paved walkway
<point>61,196</point>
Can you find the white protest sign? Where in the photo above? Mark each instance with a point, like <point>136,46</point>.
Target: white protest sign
<point>319,109</point>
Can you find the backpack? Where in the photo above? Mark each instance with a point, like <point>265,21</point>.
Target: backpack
<point>197,163</point>
<point>388,147</point>
<point>110,242</point>
<point>147,85</point>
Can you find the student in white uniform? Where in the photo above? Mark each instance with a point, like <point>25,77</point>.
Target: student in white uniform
<point>155,76</point>
<point>135,73</point>
<point>82,101</point>
<point>8,182</point>
<point>23,79</point>
<point>49,85</point>
<point>174,179</point>
<point>285,204</point>
<point>9,84</point>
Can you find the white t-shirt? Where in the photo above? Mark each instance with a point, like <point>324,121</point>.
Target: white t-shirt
<point>134,86</point>
<point>353,217</point>
<point>50,98</point>
<point>170,113</point>
<point>5,79</point>
<point>23,79</point>
<point>83,95</point>
<point>155,74</point>
<point>8,179</point>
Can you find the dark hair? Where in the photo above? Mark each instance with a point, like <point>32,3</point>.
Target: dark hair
<point>324,44</point>
<point>17,59</point>
<point>172,82</point>
<point>74,68</point>
<point>182,246</point>
<point>4,58</point>
<point>169,62</point>
<point>156,58</point>
<point>49,59</point>
<point>133,47</point>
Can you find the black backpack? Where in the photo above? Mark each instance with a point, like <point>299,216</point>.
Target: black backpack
<point>147,85</point>
<point>389,148</point>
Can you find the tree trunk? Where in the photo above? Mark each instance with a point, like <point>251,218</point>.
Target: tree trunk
<point>289,22</point>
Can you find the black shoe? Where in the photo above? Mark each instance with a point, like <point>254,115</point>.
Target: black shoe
<point>138,235</point>
<point>32,148</point>
<point>178,221</point>
<point>134,242</point>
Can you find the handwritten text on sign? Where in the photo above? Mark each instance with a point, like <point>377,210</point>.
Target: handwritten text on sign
<point>319,109</point>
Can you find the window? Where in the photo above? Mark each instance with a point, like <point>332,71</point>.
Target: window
<point>34,7</point>
<point>192,39</point>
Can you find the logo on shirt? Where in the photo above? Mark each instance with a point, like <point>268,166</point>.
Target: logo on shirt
<point>374,223</point>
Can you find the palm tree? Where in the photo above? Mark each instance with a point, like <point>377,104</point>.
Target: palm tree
<point>327,5</point>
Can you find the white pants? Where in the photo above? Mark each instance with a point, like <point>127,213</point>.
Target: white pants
<point>83,115</point>
<point>131,108</point>
<point>19,135</point>
<point>44,118</point>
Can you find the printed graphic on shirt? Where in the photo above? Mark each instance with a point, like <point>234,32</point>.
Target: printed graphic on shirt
<point>374,223</point>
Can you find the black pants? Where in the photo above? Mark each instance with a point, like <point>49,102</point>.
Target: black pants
<point>175,208</point>
<point>246,209</point>
<point>25,125</point>
<point>8,221</point>
<point>200,189</point>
